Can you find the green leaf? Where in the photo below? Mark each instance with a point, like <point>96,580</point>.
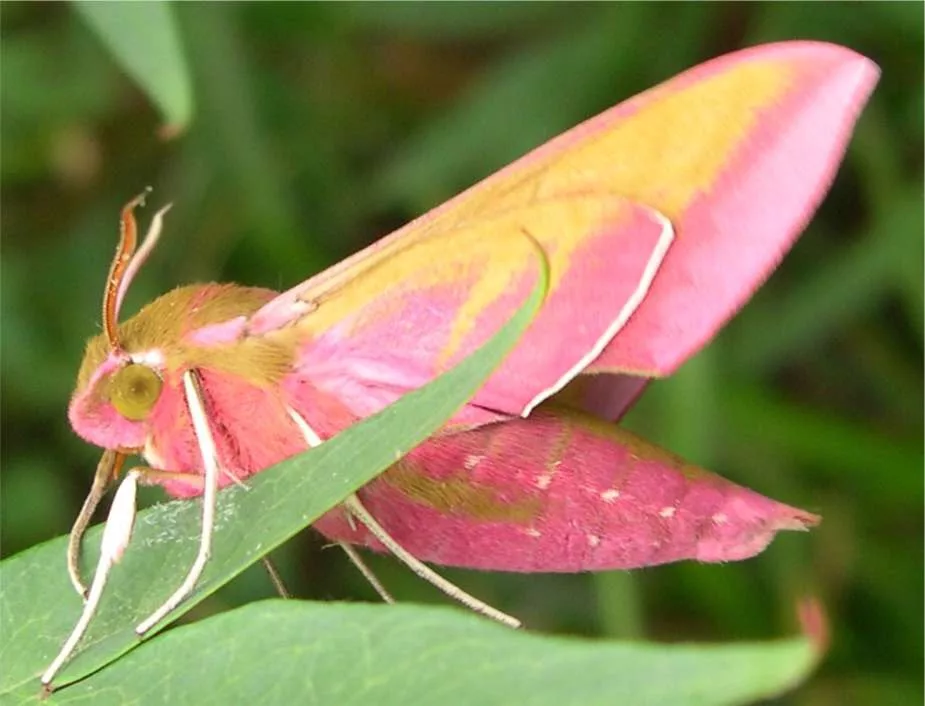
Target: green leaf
<point>289,652</point>
<point>38,606</point>
<point>143,39</point>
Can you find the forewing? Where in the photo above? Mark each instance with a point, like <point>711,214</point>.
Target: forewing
<point>735,153</point>
<point>405,318</point>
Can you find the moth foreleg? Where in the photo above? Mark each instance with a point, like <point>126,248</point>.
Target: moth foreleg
<point>210,464</point>
<point>116,536</point>
<point>106,472</point>
<point>194,479</point>
<point>157,476</point>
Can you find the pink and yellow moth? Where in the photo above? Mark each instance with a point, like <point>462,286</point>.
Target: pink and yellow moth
<point>658,218</point>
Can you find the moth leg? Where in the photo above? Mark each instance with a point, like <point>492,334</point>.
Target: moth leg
<point>351,523</point>
<point>357,508</point>
<point>116,536</point>
<point>313,440</point>
<point>156,476</point>
<point>368,574</point>
<point>207,450</point>
<point>275,578</point>
<point>106,471</point>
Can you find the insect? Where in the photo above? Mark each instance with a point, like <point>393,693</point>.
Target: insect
<point>658,219</point>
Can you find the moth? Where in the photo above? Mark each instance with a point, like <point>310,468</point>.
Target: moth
<point>658,219</point>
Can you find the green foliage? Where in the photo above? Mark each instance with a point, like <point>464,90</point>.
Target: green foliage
<point>143,39</point>
<point>330,653</point>
<point>319,127</point>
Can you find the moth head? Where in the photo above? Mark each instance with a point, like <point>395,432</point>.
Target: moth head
<point>115,406</point>
<point>118,389</point>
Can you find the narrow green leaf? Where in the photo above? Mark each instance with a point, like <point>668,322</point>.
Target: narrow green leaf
<point>310,653</point>
<point>143,39</point>
<point>38,607</point>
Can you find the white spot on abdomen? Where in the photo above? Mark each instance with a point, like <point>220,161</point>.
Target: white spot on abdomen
<point>593,540</point>
<point>472,460</point>
<point>608,496</point>
<point>667,512</point>
<point>720,518</point>
<point>543,481</point>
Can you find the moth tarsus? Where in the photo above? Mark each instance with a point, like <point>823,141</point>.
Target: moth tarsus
<point>107,471</point>
<point>275,577</point>
<point>364,569</point>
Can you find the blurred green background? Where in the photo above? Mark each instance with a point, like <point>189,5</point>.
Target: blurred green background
<point>318,128</point>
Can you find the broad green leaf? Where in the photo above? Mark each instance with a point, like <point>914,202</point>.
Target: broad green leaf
<point>276,652</point>
<point>143,39</point>
<point>38,606</point>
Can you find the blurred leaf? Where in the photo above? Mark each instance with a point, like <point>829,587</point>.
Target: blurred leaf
<point>309,653</point>
<point>457,20</point>
<point>866,688</point>
<point>142,37</point>
<point>38,605</point>
<point>508,111</point>
<point>230,135</point>
<point>620,604</point>
<point>54,84</point>
<point>885,470</point>
<point>504,114</point>
<point>789,20</point>
<point>86,90</point>
<point>34,479</point>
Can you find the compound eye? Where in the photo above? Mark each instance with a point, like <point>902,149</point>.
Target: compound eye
<point>133,390</point>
